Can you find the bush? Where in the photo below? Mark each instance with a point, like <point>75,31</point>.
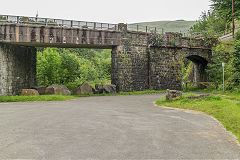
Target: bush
<point>72,67</point>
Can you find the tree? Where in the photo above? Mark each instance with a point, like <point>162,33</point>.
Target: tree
<point>210,23</point>
<point>69,67</point>
<point>236,63</point>
<point>48,67</point>
<point>224,8</point>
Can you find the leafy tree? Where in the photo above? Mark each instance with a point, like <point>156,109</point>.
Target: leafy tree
<point>224,8</point>
<point>49,67</point>
<point>69,67</point>
<point>210,23</point>
<point>236,63</point>
<point>72,67</point>
<point>221,53</point>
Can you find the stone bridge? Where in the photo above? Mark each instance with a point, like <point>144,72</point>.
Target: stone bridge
<point>136,65</point>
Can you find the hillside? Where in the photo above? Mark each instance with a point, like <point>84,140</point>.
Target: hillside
<point>170,26</point>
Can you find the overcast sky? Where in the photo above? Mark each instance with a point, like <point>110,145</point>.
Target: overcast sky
<point>110,11</point>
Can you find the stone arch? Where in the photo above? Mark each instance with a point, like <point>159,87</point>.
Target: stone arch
<point>200,62</point>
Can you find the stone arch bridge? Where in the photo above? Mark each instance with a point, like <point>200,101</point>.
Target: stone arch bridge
<point>136,65</point>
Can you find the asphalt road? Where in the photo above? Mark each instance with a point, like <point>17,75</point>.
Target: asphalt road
<point>116,127</point>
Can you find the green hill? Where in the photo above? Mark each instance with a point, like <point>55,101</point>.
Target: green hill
<point>169,26</point>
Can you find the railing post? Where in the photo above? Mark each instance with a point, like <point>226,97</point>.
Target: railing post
<point>108,26</point>
<point>94,25</point>
<point>101,26</point>
<point>17,19</point>
<point>137,27</point>
<point>46,22</point>
<point>155,29</point>
<point>71,23</point>
<point>146,29</point>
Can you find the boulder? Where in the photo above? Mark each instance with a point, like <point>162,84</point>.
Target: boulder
<point>99,88</point>
<point>110,89</point>
<point>29,92</point>
<point>84,88</point>
<point>41,89</point>
<point>65,90</point>
<point>106,88</point>
<point>173,94</point>
<point>57,90</point>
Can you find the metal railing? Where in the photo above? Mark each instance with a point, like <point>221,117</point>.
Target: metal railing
<point>203,34</point>
<point>82,24</point>
<point>146,29</point>
<point>57,22</point>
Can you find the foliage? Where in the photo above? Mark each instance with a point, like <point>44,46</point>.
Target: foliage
<point>210,24</point>
<point>221,53</point>
<point>236,63</point>
<point>224,8</point>
<point>155,39</point>
<point>187,70</point>
<point>72,67</point>
<point>225,111</point>
<point>49,64</point>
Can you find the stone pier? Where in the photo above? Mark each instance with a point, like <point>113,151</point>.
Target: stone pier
<point>17,68</point>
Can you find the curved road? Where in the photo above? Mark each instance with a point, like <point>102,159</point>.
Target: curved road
<point>115,127</point>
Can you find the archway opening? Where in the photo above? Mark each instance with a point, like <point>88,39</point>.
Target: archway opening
<point>194,72</point>
<point>73,66</point>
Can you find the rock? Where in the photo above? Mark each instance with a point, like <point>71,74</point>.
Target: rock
<point>65,90</point>
<point>106,88</point>
<point>84,88</point>
<point>41,89</point>
<point>173,94</point>
<point>57,90</point>
<point>110,89</point>
<point>198,96</point>
<point>99,88</point>
<point>29,92</point>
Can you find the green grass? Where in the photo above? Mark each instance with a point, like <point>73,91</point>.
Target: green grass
<point>141,92</point>
<point>64,98</point>
<point>224,110</point>
<point>36,98</point>
<point>227,94</point>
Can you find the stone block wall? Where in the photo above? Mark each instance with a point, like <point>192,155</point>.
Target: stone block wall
<point>165,68</point>
<point>130,62</point>
<point>17,68</point>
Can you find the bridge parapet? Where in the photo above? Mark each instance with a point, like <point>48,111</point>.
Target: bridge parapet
<point>34,35</point>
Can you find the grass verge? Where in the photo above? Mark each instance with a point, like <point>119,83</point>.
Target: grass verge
<point>64,98</point>
<point>224,110</point>
<point>36,98</point>
<point>228,95</point>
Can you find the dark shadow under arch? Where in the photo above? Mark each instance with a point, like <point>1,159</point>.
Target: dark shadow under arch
<point>199,70</point>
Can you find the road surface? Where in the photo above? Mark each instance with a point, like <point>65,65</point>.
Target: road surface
<point>111,127</point>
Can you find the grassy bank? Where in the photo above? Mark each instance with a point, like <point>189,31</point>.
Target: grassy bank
<point>64,98</point>
<point>224,110</point>
<point>227,94</point>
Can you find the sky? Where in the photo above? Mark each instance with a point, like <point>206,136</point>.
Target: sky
<point>108,11</point>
